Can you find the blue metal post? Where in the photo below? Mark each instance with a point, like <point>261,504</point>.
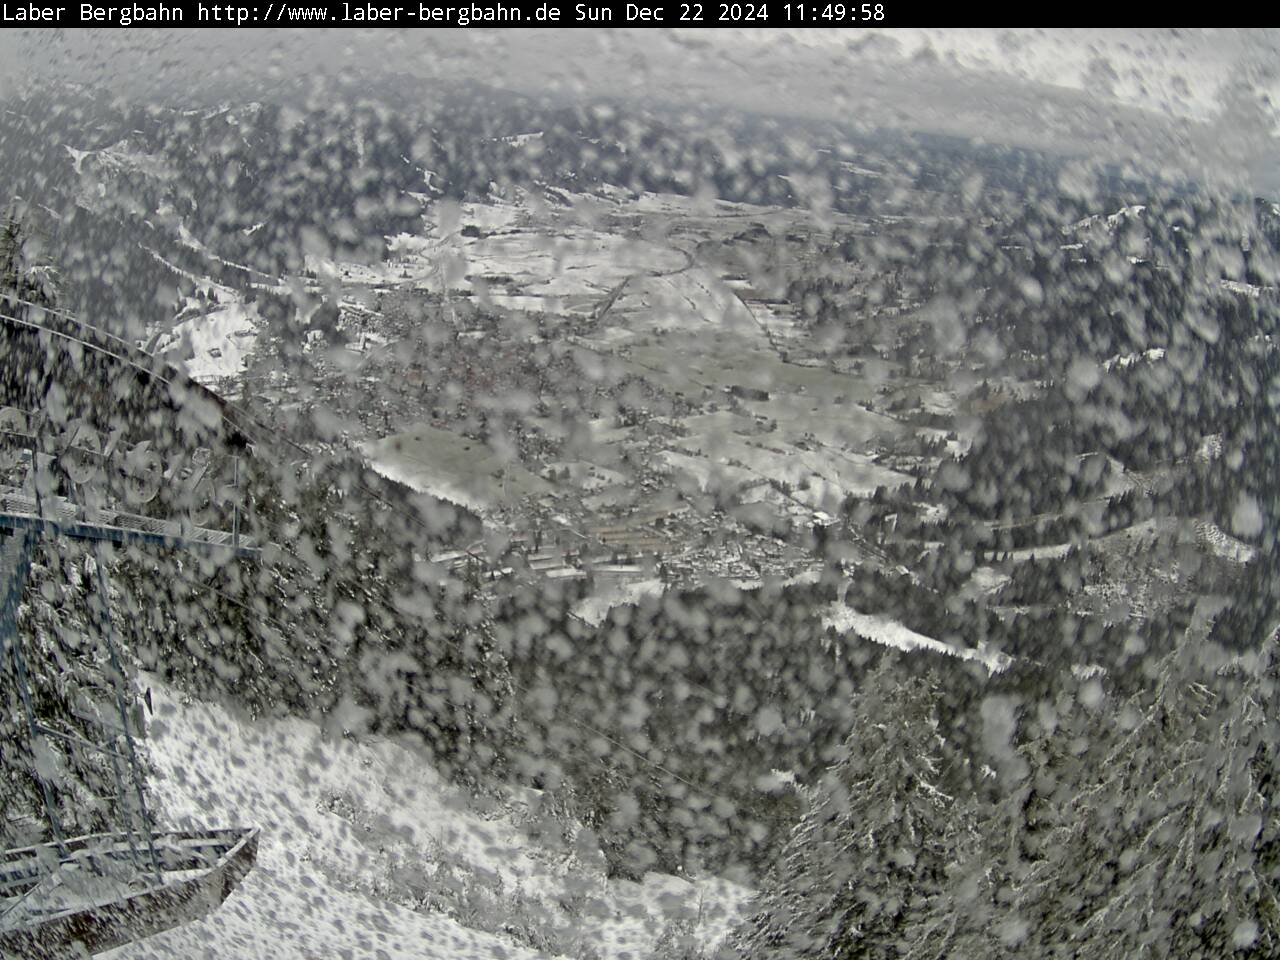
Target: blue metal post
<point>17,567</point>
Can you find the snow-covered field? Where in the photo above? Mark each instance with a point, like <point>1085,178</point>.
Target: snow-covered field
<point>821,476</point>
<point>365,851</point>
<point>545,259</point>
<point>453,467</point>
<point>214,344</point>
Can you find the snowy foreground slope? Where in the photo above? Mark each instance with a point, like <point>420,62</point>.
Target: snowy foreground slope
<point>367,853</point>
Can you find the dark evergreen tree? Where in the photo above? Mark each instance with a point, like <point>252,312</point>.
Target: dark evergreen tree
<point>879,866</point>
<point>1142,830</point>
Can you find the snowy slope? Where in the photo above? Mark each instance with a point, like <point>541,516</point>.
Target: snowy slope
<point>214,344</point>
<point>365,850</point>
<point>891,633</point>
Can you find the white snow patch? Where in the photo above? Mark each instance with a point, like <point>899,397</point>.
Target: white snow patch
<point>891,633</point>
<point>1114,219</point>
<point>941,402</point>
<point>1248,289</point>
<point>526,304</point>
<point>215,344</point>
<point>986,580</point>
<point>520,139</point>
<point>77,156</point>
<point>932,512</point>
<point>595,608</point>
<point>1223,544</point>
<point>1129,359</point>
<point>1053,551</point>
<point>436,486</point>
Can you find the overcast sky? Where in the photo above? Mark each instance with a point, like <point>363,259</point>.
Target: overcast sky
<point>1199,102</point>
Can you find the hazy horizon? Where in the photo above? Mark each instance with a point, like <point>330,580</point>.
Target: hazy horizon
<point>1203,105</point>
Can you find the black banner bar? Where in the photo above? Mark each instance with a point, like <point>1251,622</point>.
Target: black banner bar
<point>477,13</point>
